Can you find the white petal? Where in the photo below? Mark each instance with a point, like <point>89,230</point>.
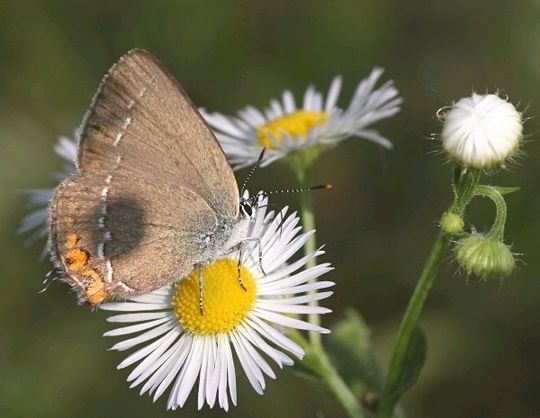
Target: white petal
<point>276,108</point>
<point>156,372</point>
<point>189,373</point>
<point>374,136</point>
<point>297,300</point>
<point>168,371</point>
<point>33,220</point>
<point>298,278</point>
<point>67,148</point>
<point>288,321</point>
<point>156,332</point>
<point>296,289</point>
<point>152,352</point>
<point>258,360</point>
<point>274,336</point>
<point>276,355</point>
<point>231,371</point>
<point>252,372</point>
<point>137,317</point>
<point>135,328</point>
<point>255,115</point>
<point>308,98</point>
<point>212,373</point>
<point>291,309</point>
<point>133,306</point>
<point>287,269</point>
<point>333,93</point>
<point>201,395</point>
<point>316,102</point>
<point>288,102</point>
<point>224,124</point>
<point>291,249</point>
<point>171,362</point>
<point>153,298</point>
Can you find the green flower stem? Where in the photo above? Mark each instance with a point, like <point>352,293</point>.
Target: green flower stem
<point>465,184</point>
<point>308,223</point>
<point>408,323</point>
<point>497,230</point>
<point>316,358</point>
<point>338,387</point>
<point>318,362</point>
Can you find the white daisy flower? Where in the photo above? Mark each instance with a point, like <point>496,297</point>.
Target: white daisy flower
<point>482,131</point>
<point>39,198</point>
<point>284,127</point>
<point>178,344</point>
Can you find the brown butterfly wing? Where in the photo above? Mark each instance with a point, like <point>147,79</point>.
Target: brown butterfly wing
<point>142,114</point>
<point>140,236</point>
<point>151,181</point>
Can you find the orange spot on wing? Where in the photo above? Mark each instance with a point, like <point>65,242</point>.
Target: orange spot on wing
<point>95,292</point>
<point>75,259</point>
<point>91,273</point>
<point>71,240</point>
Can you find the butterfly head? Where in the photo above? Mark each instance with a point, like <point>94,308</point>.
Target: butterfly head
<point>247,206</point>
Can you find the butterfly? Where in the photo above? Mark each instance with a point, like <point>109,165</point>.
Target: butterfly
<point>153,196</point>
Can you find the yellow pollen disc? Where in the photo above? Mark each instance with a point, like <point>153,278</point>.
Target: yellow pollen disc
<point>225,302</point>
<point>295,124</point>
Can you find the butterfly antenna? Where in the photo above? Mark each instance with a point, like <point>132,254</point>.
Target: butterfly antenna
<point>298,189</point>
<point>252,171</point>
<point>294,190</point>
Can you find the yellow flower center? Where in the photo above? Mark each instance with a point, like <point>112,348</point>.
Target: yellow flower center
<point>225,302</point>
<point>295,124</point>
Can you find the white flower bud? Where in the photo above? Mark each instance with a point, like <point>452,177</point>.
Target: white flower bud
<point>482,131</point>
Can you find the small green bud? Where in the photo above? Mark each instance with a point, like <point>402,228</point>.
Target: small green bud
<point>483,256</point>
<point>452,223</point>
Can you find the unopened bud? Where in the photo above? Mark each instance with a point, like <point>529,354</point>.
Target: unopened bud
<point>482,131</point>
<point>484,256</point>
<point>452,223</point>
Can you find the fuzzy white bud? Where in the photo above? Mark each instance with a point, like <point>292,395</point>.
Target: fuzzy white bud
<point>482,131</point>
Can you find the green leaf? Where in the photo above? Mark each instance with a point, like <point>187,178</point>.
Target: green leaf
<point>506,190</point>
<point>483,189</point>
<point>350,350</point>
<point>309,367</point>
<point>413,361</point>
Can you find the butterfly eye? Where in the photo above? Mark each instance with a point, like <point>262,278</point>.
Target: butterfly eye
<point>247,209</point>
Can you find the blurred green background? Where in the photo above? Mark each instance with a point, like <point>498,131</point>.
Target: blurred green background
<point>378,222</point>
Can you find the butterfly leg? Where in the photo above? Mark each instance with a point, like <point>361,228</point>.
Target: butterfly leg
<point>50,277</point>
<point>257,241</point>
<point>238,267</point>
<point>201,283</point>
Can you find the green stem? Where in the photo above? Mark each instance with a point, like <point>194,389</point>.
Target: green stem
<point>321,366</point>
<point>308,223</point>
<point>338,387</point>
<point>497,229</point>
<point>409,321</point>
<point>465,184</point>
